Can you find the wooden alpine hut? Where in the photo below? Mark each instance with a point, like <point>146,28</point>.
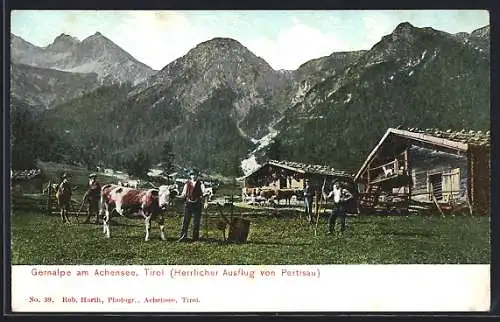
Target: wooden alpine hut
<point>289,176</point>
<point>415,168</point>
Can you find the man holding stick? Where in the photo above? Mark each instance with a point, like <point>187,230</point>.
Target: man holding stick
<point>340,196</point>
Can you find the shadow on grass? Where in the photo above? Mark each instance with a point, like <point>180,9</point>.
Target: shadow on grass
<point>378,224</point>
<point>407,234</point>
<point>120,224</point>
<point>140,239</point>
<point>277,243</point>
<point>220,241</point>
<point>202,240</point>
<point>112,223</point>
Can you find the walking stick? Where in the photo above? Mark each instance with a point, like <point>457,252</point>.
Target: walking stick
<point>317,218</point>
<point>317,208</point>
<point>205,235</point>
<point>81,206</point>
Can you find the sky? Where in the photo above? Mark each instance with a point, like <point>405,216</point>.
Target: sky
<point>285,39</point>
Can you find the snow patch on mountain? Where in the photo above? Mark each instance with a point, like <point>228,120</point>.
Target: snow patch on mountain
<point>250,164</point>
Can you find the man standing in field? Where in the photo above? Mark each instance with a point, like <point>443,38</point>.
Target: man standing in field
<point>193,194</point>
<point>308,200</point>
<point>340,196</point>
<point>63,196</point>
<point>92,196</point>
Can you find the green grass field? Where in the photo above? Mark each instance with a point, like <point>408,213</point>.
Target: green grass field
<point>274,239</point>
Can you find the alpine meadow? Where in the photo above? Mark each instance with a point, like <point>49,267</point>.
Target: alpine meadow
<point>352,123</point>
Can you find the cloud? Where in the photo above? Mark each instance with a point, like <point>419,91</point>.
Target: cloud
<point>166,36</point>
<point>376,25</point>
<point>157,38</point>
<point>157,21</point>
<point>295,45</point>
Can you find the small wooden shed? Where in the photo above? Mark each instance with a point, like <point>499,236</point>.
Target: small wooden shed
<point>26,181</point>
<point>288,175</point>
<point>431,166</point>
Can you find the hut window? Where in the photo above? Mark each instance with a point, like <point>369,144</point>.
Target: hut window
<point>451,184</point>
<point>435,185</point>
<point>444,185</point>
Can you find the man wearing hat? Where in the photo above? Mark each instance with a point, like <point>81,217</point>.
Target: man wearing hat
<point>93,195</point>
<point>340,196</point>
<point>193,194</point>
<point>65,183</point>
<point>63,196</point>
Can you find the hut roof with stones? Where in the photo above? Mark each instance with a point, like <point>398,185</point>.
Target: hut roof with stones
<point>23,175</point>
<point>480,138</point>
<point>303,169</point>
<point>311,168</point>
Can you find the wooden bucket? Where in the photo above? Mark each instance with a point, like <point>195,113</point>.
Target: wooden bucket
<point>238,230</point>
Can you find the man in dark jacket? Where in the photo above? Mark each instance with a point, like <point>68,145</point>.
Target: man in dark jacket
<point>63,196</point>
<point>93,195</point>
<point>193,194</point>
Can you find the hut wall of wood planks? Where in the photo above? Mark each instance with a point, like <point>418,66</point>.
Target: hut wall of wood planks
<point>443,168</point>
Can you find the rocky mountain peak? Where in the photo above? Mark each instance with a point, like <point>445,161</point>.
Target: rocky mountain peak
<point>408,41</point>
<point>95,54</point>
<point>65,38</point>
<point>63,42</point>
<point>99,47</point>
<point>221,41</point>
<point>222,49</point>
<point>218,59</point>
<point>404,32</point>
<point>97,38</point>
<point>404,27</point>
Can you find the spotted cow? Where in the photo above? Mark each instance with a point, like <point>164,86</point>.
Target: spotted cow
<point>125,201</point>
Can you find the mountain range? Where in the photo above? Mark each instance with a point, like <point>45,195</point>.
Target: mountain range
<point>94,57</point>
<point>215,102</point>
<point>414,77</point>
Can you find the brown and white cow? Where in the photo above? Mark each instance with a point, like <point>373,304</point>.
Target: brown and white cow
<point>148,204</point>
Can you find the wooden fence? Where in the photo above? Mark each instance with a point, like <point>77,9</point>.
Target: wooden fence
<point>51,207</point>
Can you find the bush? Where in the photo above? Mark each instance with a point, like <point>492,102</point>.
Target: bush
<point>138,165</point>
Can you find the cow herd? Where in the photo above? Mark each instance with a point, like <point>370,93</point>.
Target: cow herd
<point>271,196</point>
<point>130,199</point>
